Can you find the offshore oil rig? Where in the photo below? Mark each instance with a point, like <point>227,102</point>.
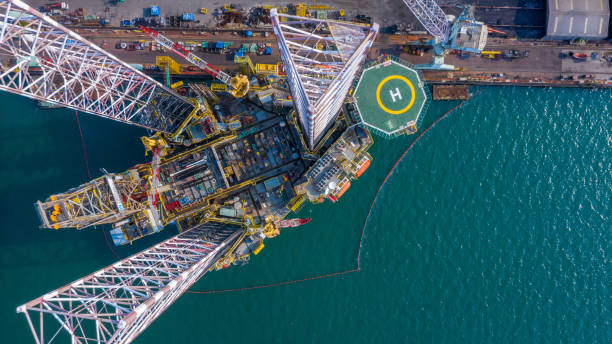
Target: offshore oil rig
<point>227,167</point>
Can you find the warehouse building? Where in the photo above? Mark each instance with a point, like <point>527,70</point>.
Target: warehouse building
<point>568,19</point>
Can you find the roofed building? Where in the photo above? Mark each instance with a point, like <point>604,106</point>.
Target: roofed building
<point>568,19</point>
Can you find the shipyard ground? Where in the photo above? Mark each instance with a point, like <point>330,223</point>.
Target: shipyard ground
<point>543,66</point>
<point>515,16</point>
<point>524,22</point>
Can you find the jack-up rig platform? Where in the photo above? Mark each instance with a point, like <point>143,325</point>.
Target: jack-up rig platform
<point>228,164</point>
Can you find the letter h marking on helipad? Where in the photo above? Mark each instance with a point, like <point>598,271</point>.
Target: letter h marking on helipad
<point>396,94</point>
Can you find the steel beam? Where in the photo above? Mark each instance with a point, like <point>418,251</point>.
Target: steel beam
<point>431,16</point>
<point>43,60</point>
<point>115,304</point>
<point>322,58</point>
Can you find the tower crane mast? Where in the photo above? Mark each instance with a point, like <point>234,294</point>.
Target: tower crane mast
<point>431,16</point>
<point>465,33</point>
<point>239,84</point>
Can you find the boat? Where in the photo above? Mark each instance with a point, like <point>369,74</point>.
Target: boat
<point>48,105</point>
<point>292,223</point>
<point>579,56</point>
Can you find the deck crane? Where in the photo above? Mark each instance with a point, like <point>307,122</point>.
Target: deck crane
<point>465,33</point>
<point>238,84</point>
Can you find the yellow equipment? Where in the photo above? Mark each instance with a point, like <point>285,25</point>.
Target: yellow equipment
<point>300,10</point>
<point>320,7</point>
<point>216,87</point>
<point>176,85</point>
<point>163,61</point>
<point>245,64</point>
<point>490,54</point>
<point>258,248</point>
<point>203,10</point>
<point>266,69</point>
<point>240,85</point>
<point>155,141</point>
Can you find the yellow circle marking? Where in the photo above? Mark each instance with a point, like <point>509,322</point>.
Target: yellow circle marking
<point>392,77</point>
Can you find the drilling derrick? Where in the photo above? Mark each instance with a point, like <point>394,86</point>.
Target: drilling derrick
<point>41,59</point>
<point>115,304</point>
<point>107,199</point>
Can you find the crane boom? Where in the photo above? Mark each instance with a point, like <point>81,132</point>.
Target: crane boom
<point>431,16</point>
<point>238,85</point>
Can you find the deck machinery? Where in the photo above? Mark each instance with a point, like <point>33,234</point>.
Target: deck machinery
<point>226,175</point>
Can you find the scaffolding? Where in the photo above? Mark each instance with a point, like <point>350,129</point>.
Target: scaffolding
<point>107,199</point>
<point>321,60</point>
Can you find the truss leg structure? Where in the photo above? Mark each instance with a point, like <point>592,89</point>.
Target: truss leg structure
<point>322,58</point>
<point>431,16</point>
<point>43,60</point>
<point>118,302</point>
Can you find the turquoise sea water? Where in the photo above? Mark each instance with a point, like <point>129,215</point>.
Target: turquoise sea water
<point>495,227</point>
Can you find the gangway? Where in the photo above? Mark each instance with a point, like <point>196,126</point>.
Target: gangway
<point>239,84</point>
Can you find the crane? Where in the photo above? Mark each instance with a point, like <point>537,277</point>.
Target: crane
<point>239,84</point>
<point>465,34</point>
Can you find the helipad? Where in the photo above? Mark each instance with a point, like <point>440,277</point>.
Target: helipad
<point>390,97</point>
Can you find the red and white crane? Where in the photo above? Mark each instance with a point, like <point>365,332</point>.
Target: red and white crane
<point>239,84</point>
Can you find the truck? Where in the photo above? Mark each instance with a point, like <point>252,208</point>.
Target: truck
<point>56,6</point>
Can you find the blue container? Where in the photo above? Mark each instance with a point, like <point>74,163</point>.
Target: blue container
<point>188,17</point>
<point>240,53</point>
<point>249,33</point>
<point>137,66</point>
<point>268,51</point>
<point>154,11</point>
<point>219,45</point>
<point>126,23</point>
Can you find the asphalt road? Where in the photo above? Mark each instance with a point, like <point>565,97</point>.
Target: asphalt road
<point>512,15</point>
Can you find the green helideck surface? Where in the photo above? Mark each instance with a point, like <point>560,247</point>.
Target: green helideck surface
<point>390,96</point>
